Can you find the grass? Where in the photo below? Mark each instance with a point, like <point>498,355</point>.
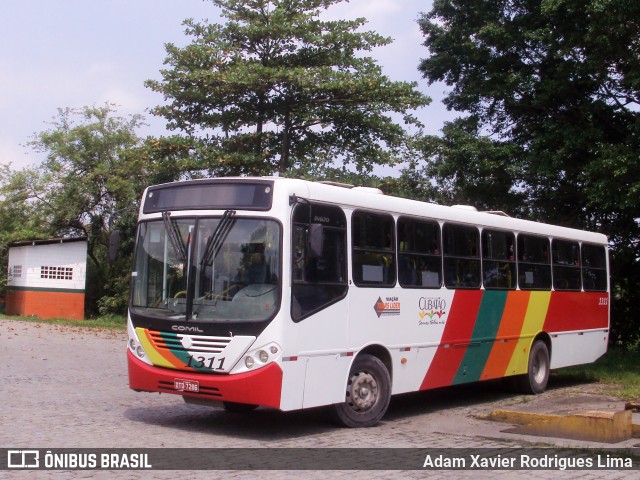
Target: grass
<point>618,371</point>
<point>109,322</point>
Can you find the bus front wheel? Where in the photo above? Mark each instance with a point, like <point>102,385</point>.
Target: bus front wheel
<point>537,376</point>
<point>367,394</point>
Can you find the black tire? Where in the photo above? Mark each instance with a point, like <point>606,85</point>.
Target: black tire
<point>537,376</point>
<point>234,407</point>
<point>368,392</point>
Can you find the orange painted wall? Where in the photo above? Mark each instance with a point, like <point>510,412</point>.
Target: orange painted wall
<point>45,304</point>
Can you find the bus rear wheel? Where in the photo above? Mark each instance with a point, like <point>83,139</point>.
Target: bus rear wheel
<point>367,394</point>
<point>537,376</point>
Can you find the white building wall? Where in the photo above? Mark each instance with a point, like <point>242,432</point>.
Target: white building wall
<point>49,266</point>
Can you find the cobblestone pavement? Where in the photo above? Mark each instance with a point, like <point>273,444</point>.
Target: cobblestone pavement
<point>67,387</point>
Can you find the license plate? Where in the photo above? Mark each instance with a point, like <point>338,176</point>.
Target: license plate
<point>183,385</point>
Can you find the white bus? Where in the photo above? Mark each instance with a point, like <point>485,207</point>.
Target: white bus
<point>292,294</point>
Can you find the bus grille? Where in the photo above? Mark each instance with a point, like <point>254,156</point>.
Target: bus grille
<point>179,342</point>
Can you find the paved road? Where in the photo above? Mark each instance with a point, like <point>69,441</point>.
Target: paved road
<point>66,387</point>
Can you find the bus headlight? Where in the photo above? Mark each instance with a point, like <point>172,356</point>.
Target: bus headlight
<point>249,362</point>
<point>135,346</point>
<point>263,356</point>
<point>258,357</point>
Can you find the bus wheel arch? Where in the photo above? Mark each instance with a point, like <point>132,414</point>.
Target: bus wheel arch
<point>368,389</point>
<point>539,366</point>
<point>382,354</point>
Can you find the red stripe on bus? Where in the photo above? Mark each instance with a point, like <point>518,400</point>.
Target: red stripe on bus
<point>455,339</point>
<point>577,311</point>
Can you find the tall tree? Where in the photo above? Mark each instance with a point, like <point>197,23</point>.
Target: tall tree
<point>276,88</point>
<point>560,80</point>
<point>88,177</point>
<point>88,184</point>
<point>468,168</point>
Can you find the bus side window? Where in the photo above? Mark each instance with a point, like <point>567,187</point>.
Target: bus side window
<point>566,265</point>
<point>419,257</point>
<point>594,268</point>
<point>373,237</point>
<point>461,256</point>
<point>318,281</point>
<point>498,260</point>
<point>534,263</point>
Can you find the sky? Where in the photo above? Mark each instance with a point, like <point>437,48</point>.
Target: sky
<point>75,53</point>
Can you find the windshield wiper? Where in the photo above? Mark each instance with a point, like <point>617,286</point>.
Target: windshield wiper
<point>214,244</point>
<point>175,237</point>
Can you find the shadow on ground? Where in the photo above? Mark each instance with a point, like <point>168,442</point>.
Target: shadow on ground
<point>265,425</point>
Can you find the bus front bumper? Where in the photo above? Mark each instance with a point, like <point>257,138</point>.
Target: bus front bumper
<point>259,387</point>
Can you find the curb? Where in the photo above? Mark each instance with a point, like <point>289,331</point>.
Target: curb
<point>594,426</point>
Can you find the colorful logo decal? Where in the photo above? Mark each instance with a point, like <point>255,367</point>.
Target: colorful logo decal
<point>389,307</point>
<point>432,311</point>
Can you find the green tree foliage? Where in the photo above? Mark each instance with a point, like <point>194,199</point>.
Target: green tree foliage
<point>560,81</point>
<point>20,219</point>
<point>88,184</point>
<point>277,89</point>
<point>470,169</point>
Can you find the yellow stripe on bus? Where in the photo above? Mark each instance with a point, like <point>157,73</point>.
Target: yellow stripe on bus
<point>156,357</point>
<point>533,323</point>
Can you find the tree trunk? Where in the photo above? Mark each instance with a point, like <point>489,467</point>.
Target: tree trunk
<point>259,128</point>
<point>286,143</point>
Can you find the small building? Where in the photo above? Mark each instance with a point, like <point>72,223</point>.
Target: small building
<point>46,278</point>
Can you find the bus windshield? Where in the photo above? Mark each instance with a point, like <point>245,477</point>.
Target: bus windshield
<point>207,269</point>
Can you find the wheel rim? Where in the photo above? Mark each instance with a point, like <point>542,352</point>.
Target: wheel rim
<point>539,367</point>
<point>363,391</point>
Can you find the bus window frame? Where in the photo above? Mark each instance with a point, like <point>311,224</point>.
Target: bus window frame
<point>513,262</point>
<point>296,316</point>
<point>520,263</point>
<point>471,259</point>
<point>373,250</point>
<point>584,268</point>
<point>416,253</point>
<point>557,266</point>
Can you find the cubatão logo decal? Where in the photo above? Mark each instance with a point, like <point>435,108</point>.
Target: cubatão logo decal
<point>389,307</point>
<point>432,311</point>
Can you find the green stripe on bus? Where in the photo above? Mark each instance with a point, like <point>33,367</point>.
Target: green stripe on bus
<point>483,336</point>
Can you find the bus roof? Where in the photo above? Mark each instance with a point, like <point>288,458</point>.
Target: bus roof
<point>373,199</point>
